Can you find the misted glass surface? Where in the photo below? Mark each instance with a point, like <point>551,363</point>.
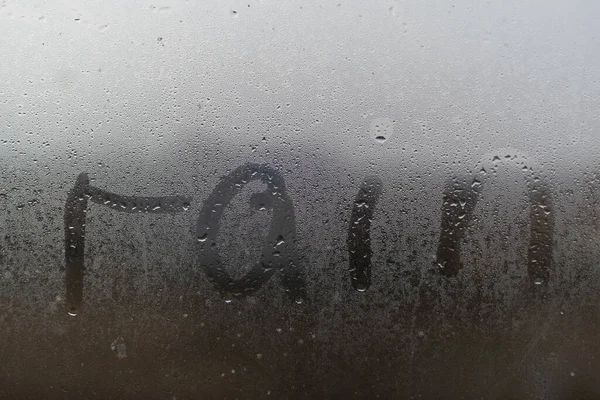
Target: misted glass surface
<point>303,199</point>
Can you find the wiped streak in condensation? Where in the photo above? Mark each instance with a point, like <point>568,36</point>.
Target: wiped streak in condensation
<point>75,223</point>
<point>359,233</point>
<point>279,251</point>
<point>460,200</point>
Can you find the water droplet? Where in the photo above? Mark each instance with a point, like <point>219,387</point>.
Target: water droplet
<point>203,238</point>
<point>381,129</point>
<point>118,346</point>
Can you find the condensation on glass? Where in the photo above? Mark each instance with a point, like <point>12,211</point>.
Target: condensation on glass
<point>300,200</point>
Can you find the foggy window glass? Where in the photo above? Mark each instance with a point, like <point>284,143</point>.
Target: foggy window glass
<point>303,199</point>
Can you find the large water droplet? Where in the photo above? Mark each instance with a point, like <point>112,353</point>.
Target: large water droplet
<point>381,129</point>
